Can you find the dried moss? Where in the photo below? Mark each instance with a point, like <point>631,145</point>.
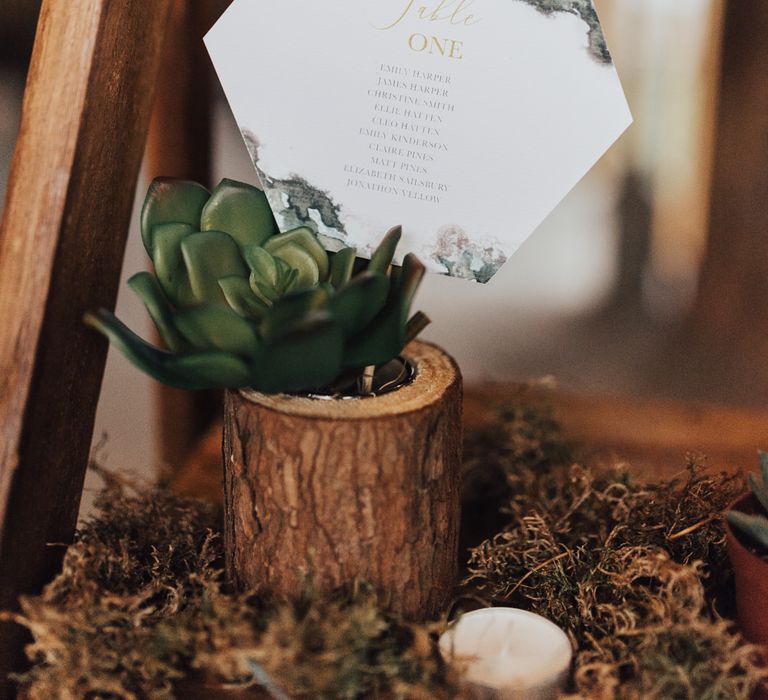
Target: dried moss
<point>98,626</point>
<point>634,572</point>
<point>348,648</point>
<point>140,605</point>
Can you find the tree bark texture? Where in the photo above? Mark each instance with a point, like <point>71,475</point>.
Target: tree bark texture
<point>319,494</point>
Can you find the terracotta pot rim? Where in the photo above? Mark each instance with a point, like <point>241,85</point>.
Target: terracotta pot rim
<point>435,371</point>
<point>734,539</point>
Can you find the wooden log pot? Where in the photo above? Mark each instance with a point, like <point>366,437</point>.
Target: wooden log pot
<point>321,493</point>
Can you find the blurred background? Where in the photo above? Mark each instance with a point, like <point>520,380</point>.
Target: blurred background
<point>647,284</point>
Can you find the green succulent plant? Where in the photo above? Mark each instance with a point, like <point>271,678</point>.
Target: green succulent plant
<point>239,304</point>
<point>755,526</point>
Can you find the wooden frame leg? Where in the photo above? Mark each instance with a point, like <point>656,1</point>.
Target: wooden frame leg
<point>180,145</point>
<point>84,122</point>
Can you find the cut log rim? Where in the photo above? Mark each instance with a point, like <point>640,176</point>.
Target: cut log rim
<point>435,371</point>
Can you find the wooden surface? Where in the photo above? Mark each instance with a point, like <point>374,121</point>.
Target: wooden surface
<point>323,493</point>
<point>69,200</point>
<point>180,145</point>
<point>651,436</point>
<point>729,322</point>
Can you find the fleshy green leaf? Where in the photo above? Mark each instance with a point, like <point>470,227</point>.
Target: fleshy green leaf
<point>764,466</point>
<point>170,270</point>
<point>276,316</point>
<point>290,310</point>
<point>265,292</point>
<point>301,261</point>
<point>262,264</point>
<point>283,270</point>
<point>271,277</point>
<point>412,273</point>
<point>240,210</point>
<point>384,338</point>
<point>383,255</point>
<point>342,264</point>
<point>305,239</point>
<point>213,370</point>
<point>171,201</point>
<point>358,303</point>
<point>307,355</point>
<point>241,298</point>
<point>289,281</point>
<point>149,359</point>
<point>754,526</point>
<point>145,285</point>
<point>760,489</point>
<point>216,328</point>
<point>209,257</point>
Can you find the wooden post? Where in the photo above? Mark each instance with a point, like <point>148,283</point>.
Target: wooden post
<point>319,494</point>
<point>180,145</point>
<point>70,195</point>
<point>726,338</point>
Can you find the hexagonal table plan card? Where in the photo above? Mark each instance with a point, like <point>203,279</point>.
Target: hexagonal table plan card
<point>465,121</point>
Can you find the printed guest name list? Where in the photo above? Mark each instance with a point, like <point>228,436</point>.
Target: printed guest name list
<point>403,138</point>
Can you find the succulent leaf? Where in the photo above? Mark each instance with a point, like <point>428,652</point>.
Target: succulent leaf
<point>213,370</point>
<point>240,210</point>
<point>383,255</point>
<point>146,287</point>
<point>305,356</point>
<point>217,328</point>
<point>263,264</point>
<point>168,260</point>
<point>412,273</point>
<point>754,526</point>
<point>171,201</point>
<point>209,257</point>
<point>240,297</point>
<point>210,370</point>
<point>240,304</point>
<point>305,239</point>
<point>385,336</point>
<point>300,260</point>
<point>289,281</point>
<point>156,363</point>
<point>291,309</point>
<point>764,466</point>
<point>265,292</point>
<point>358,303</point>
<point>283,268</point>
<point>342,265</point>
<point>271,277</point>
<point>760,489</point>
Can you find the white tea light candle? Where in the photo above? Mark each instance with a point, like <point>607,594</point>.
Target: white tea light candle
<point>509,654</point>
